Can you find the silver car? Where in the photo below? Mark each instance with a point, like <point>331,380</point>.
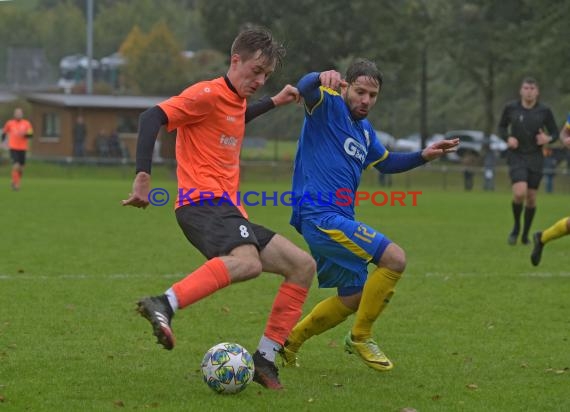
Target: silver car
<point>472,142</point>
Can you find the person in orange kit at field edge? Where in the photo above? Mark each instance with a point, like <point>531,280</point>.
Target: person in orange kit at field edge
<point>18,131</point>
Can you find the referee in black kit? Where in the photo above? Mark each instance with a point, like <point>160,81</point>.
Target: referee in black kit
<point>526,125</point>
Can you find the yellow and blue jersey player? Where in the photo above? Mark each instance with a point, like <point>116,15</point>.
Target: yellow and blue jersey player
<point>337,144</point>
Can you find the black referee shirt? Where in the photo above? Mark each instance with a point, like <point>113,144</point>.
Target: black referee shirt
<point>524,124</point>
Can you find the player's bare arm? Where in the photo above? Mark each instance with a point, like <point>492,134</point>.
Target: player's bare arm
<point>139,195</point>
<point>288,94</point>
<point>438,149</point>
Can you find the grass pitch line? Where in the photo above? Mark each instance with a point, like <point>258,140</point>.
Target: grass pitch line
<point>488,274</point>
<point>120,276</point>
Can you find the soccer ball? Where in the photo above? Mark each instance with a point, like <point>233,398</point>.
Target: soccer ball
<point>227,368</point>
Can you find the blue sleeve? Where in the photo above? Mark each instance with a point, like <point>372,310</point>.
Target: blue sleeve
<point>397,162</point>
<point>308,87</point>
<point>376,152</point>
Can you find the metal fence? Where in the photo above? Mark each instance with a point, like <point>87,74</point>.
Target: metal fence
<point>439,175</point>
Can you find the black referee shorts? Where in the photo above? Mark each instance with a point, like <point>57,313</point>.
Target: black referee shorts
<point>526,167</point>
<point>217,230</point>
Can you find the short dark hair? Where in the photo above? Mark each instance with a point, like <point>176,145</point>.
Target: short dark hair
<point>529,80</point>
<point>254,38</point>
<point>364,67</point>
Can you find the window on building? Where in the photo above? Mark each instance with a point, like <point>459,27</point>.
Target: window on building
<point>51,125</point>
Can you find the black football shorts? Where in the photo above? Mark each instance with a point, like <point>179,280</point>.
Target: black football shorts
<point>18,156</point>
<point>215,230</point>
<point>526,168</point>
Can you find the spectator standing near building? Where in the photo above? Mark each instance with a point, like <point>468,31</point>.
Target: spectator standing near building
<point>79,137</point>
<point>550,164</point>
<point>489,162</point>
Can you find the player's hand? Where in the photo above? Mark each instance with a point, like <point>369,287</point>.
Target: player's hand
<point>439,148</point>
<point>332,79</point>
<point>288,94</point>
<point>141,189</point>
<point>542,138</point>
<point>512,142</point>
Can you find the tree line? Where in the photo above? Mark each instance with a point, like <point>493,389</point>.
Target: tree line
<point>447,64</point>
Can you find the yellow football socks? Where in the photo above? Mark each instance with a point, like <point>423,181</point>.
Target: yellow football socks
<point>555,231</point>
<point>378,290</point>
<point>324,316</point>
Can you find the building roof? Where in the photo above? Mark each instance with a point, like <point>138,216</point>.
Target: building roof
<point>95,101</point>
<point>7,97</point>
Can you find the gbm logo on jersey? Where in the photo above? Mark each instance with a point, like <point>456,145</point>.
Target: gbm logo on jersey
<point>355,149</point>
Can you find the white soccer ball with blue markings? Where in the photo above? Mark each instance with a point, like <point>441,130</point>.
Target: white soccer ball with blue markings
<point>227,368</point>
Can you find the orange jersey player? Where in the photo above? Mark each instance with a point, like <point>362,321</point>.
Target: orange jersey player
<point>18,131</point>
<point>209,118</point>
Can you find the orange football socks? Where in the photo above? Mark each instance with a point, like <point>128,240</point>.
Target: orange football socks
<point>208,278</point>
<point>16,177</point>
<point>286,311</point>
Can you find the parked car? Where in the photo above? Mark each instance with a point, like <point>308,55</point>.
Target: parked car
<point>412,143</point>
<point>472,142</point>
<point>73,68</point>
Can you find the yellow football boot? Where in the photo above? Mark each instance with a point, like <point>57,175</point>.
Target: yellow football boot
<point>288,357</point>
<point>369,352</point>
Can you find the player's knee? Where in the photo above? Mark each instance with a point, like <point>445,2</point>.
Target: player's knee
<point>519,195</point>
<point>304,270</point>
<point>309,266</point>
<point>399,265</point>
<point>252,268</point>
<point>394,258</point>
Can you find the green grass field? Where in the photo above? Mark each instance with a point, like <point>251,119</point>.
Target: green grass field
<point>473,326</point>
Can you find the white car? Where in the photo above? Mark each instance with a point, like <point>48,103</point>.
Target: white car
<point>412,143</point>
<point>472,141</point>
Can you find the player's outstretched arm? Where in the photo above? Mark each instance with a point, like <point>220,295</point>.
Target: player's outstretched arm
<point>309,85</point>
<point>150,122</point>
<point>139,195</point>
<point>438,149</point>
<point>288,94</point>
